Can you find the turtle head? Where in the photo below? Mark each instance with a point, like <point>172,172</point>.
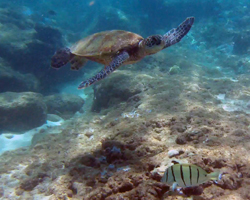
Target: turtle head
<point>61,57</point>
<point>152,44</point>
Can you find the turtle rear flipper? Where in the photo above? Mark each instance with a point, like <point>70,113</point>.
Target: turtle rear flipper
<point>61,58</point>
<point>115,63</point>
<point>176,34</point>
<point>77,62</point>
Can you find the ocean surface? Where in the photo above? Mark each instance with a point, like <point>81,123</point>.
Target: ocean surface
<point>185,102</point>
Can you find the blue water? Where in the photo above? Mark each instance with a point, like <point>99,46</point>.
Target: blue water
<point>216,48</point>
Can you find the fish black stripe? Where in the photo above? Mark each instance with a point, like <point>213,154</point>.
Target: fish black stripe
<point>172,169</point>
<point>190,174</point>
<point>182,175</point>
<point>167,176</point>
<point>198,174</point>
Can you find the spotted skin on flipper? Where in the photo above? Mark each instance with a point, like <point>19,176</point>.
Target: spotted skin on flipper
<point>176,34</point>
<point>115,63</point>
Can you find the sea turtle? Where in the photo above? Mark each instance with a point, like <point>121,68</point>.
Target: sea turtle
<point>115,48</point>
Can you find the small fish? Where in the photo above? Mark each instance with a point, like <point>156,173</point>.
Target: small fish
<point>91,3</point>
<point>187,175</point>
<point>52,12</point>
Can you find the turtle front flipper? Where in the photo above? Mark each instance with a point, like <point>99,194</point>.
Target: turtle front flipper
<point>115,63</point>
<point>176,34</point>
<point>61,58</point>
<point>77,62</point>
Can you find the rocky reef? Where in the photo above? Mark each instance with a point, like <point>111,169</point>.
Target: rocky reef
<point>26,46</point>
<point>65,105</point>
<point>27,110</point>
<point>21,111</point>
<point>120,152</point>
<point>15,81</point>
<point>187,104</point>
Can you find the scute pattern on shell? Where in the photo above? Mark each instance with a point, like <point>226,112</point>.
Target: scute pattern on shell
<point>106,42</point>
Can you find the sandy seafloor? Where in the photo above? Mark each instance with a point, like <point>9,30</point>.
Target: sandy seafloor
<point>199,115</point>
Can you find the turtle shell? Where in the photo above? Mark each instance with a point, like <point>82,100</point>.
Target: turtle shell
<point>105,43</point>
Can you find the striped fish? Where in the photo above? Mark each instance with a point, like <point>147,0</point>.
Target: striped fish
<point>187,175</point>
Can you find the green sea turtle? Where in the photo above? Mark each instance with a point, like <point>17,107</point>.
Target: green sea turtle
<point>115,48</point>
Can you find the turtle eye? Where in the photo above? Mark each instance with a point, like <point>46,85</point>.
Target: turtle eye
<point>157,40</point>
<point>153,40</point>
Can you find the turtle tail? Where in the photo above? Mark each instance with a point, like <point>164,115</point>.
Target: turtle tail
<point>61,57</point>
<point>176,34</point>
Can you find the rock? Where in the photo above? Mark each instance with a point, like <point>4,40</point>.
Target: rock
<point>19,82</point>
<point>54,118</point>
<point>128,186</point>
<point>29,184</point>
<point>174,70</point>
<point>48,34</point>
<point>31,49</point>
<point>1,191</point>
<point>231,182</point>
<point>113,151</point>
<point>12,45</point>
<point>181,139</point>
<point>8,135</point>
<point>117,88</point>
<point>64,105</point>
<point>213,141</point>
<point>14,15</point>
<point>89,160</point>
<point>60,188</point>
<point>189,191</point>
<point>173,153</point>
<point>239,133</point>
<point>21,111</point>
